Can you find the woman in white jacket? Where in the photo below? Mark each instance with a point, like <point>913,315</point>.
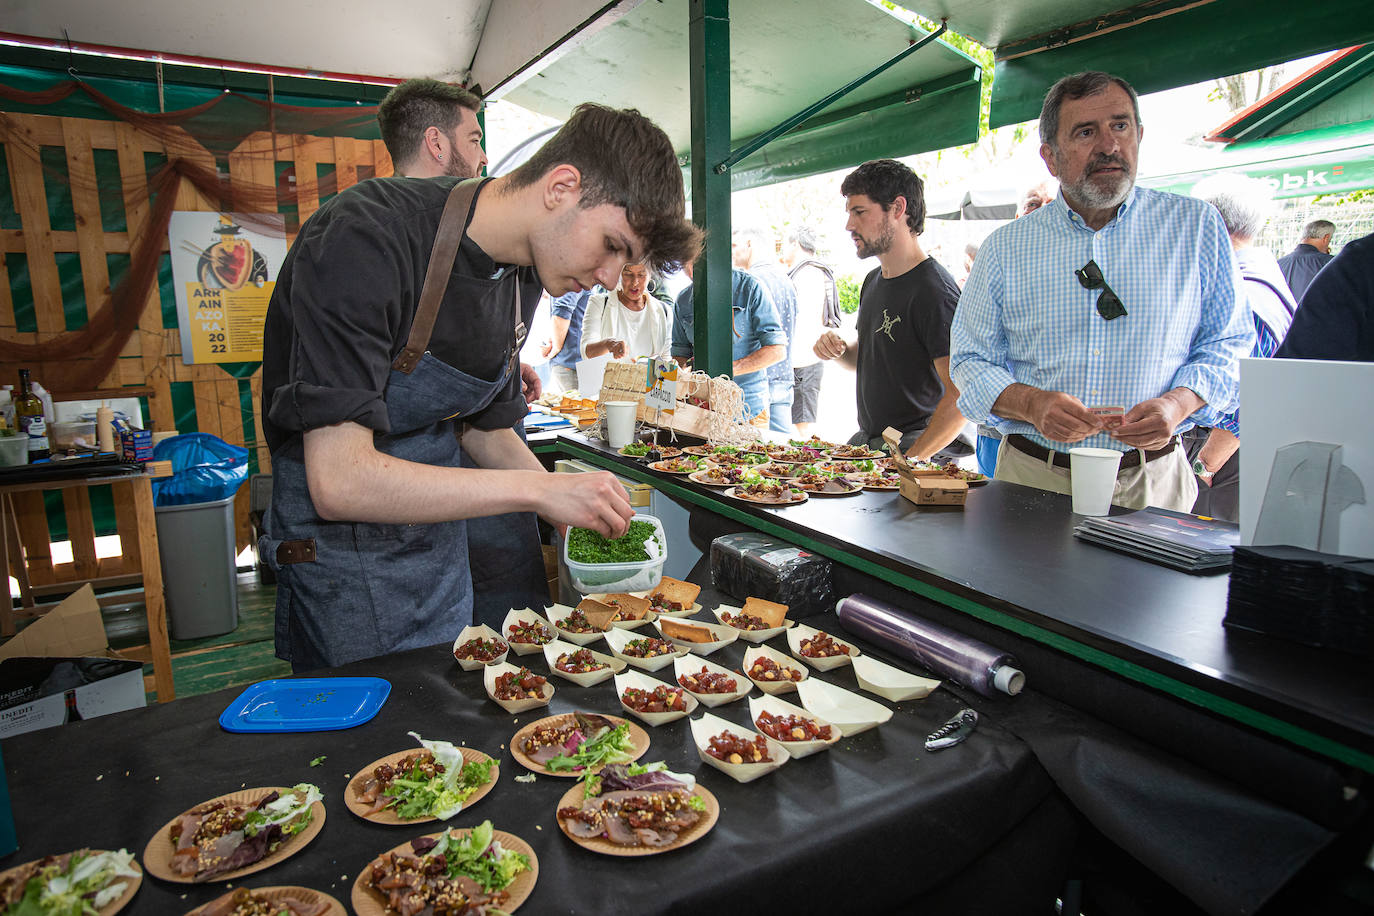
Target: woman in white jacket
<point>627,322</point>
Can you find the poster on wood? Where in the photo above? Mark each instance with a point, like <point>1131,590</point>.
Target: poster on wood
<point>224,266</point>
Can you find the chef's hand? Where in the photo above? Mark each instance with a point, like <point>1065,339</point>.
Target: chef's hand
<point>1061,417</point>
<point>594,500</point>
<point>617,347</point>
<point>1150,424</point>
<point>530,386</point>
<point>830,346</point>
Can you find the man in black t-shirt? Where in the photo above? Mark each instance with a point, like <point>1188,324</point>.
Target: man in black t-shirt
<point>901,351</point>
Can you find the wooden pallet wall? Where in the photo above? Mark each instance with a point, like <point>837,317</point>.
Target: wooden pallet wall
<point>152,357</point>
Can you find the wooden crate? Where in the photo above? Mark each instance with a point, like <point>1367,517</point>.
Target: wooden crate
<point>150,362</point>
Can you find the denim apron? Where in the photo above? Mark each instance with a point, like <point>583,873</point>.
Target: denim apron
<point>352,590</point>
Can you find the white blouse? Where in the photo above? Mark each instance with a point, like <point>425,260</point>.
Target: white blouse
<point>647,332</point>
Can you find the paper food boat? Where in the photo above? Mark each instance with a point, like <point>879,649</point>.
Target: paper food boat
<point>478,631</point>
<point>618,639</point>
<point>489,677</point>
<point>525,615</point>
<point>708,726</point>
<point>780,707</point>
<point>845,709</point>
<point>752,636</point>
<point>802,632</point>
<point>891,682</point>
<point>692,664</point>
<point>723,635</point>
<point>591,678</point>
<point>774,687</point>
<point>644,682</point>
<point>560,612</point>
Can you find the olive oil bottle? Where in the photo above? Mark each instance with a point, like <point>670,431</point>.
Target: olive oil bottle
<point>28,410</point>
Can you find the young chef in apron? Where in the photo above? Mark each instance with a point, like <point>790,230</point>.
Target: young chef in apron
<point>369,407</point>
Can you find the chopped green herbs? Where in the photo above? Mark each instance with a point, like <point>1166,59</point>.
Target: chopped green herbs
<point>635,450</point>
<point>319,761</point>
<point>586,546</point>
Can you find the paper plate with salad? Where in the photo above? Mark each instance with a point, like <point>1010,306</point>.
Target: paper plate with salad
<point>235,834</point>
<point>606,813</point>
<point>433,782</point>
<point>65,884</point>
<point>490,870</point>
<point>577,743</point>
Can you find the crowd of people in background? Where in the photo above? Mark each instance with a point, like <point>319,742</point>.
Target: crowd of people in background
<point>991,365</point>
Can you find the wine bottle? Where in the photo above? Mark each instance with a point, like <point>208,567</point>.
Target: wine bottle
<point>73,714</point>
<point>28,411</point>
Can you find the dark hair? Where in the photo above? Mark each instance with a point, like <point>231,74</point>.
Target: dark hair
<point>628,161</point>
<point>412,107</point>
<point>885,180</point>
<point>1077,86</point>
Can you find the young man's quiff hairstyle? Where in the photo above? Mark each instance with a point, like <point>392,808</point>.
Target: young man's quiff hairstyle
<point>1078,86</point>
<point>412,107</point>
<point>883,181</point>
<point>628,161</point>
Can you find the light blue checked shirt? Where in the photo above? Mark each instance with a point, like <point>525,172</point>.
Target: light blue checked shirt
<point>1023,317</point>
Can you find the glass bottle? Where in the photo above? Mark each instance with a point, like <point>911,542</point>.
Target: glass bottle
<point>28,410</point>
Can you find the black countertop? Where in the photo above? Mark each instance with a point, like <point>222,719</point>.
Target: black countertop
<point>820,834</point>
<point>1009,557</point>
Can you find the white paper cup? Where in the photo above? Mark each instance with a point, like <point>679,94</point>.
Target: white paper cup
<point>620,423</point>
<point>1092,473</point>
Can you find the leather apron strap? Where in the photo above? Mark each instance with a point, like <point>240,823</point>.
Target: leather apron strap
<point>452,225</point>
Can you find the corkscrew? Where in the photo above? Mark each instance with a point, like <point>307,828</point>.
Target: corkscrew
<point>953,731</point>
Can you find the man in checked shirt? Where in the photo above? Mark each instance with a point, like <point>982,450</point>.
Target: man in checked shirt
<point>1109,296</point>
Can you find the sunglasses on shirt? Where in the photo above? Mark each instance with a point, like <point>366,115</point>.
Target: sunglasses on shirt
<point>1109,303</point>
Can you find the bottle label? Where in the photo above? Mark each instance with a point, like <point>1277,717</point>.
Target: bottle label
<point>36,428</point>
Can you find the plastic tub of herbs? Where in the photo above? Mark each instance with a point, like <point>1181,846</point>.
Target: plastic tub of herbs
<point>632,562</point>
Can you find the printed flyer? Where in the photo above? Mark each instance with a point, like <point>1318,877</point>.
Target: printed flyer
<point>224,266</point>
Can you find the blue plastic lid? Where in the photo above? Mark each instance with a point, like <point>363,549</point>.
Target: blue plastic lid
<point>308,704</point>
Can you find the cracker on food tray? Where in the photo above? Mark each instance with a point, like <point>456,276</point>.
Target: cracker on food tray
<point>769,612</point>
<point>676,629</point>
<point>632,607</point>
<point>598,614</point>
<point>684,593</point>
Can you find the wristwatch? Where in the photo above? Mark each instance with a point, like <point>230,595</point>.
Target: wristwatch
<point>1200,470</point>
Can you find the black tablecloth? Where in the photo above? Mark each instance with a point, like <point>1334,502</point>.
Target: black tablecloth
<point>876,822</point>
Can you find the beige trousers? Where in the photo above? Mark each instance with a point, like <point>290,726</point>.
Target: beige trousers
<point>1167,482</point>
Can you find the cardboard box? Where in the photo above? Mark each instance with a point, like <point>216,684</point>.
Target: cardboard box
<point>933,491</point>
<point>60,668</point>
<point>136,444</point>
<point>923,486</point>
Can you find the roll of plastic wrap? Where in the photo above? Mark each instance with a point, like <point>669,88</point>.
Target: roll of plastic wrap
<point>940,649</point>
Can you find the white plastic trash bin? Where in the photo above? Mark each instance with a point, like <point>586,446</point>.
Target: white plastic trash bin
<point>196,542</point>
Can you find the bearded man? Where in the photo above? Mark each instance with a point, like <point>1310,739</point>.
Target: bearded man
<point>901,349</point>
<point>1111,317</point>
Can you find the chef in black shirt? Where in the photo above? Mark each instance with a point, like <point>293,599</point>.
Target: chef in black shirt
<point>373,390</point>
<point>901,351</point>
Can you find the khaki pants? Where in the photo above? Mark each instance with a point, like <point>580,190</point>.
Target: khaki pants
<point>1166,482</point>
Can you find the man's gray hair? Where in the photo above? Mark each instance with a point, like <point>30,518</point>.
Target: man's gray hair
<point>1244,203</point>
<point>760,237</point>
<point>805,238</point>
<point>1077,86</point>
<point>1319,228</point>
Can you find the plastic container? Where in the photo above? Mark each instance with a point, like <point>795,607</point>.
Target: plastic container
<point>620,577</point>
<point>67,434</point>
<point>196,541</point>
<point>14,450</point>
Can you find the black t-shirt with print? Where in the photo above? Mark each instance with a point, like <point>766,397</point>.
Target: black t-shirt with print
<point>903,328</point>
